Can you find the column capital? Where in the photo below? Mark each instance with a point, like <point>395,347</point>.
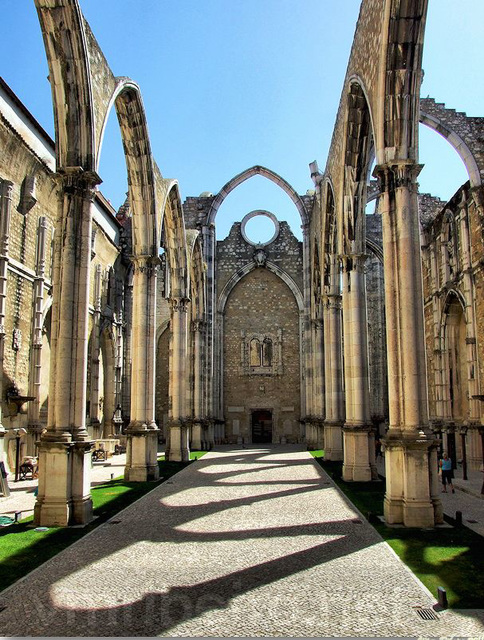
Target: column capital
<point>7,189</point>
<point>179,304</point>
<point>353,261</point>
<point>76,180</point>
<point>396,174</point>
<point>332,301</point>
<point>148,265</point>
<point>198,326</point>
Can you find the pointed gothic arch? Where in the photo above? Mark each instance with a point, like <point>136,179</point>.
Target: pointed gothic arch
<point>257,170</point>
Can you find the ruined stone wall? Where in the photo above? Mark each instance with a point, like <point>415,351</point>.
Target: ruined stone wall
<point>453,264</point>
<point>18,164</point>
<point>261,303</point>
<point>234,252</point>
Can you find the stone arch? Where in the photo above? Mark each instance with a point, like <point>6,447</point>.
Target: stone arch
<point>329,236</point>
<point>403,76</point>
<point>173,240</point>
<point>127,101</point>
<point>65,42</point>
<point>436,122</point>
<point>454,333</point>
<point>237,277</point>
<point>357,159</point>
<point>374,248</point>
<point>196,275</point>
<point>257,170</point>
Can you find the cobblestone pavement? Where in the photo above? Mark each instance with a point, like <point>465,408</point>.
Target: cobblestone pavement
<point>254,542</point>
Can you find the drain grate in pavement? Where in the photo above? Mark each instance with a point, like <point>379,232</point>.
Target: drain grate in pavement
<point>114,522</point>
<point>472,521</point>
<point>427,614</point>
<point>357,521</point>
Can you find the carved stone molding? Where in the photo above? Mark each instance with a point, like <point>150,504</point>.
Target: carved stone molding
<point>179,304</point>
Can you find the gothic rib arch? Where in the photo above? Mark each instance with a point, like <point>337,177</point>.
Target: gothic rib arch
<point>196,275</point>
<point>457,142</point>
<point>257,170</point>
<point>248,268</point>
<point>358,154</point>
<point>403,77</point>
<point>128,103</point>
<point>453,296</point>
<point>173,239</point>
<point>66,47</point>
<point>330,240</point>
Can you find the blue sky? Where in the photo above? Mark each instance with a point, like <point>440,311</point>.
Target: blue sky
<point>228,84</point>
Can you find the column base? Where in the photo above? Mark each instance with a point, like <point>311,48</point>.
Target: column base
<point>64,483</point>
<point>356,465</point>
<point>412,493</point>
<point>141,454</point>
<point>179,450</point>
<point>333,441</point>
<point>196,442</point>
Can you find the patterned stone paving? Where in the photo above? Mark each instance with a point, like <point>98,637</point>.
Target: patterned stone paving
<point>251,542</point>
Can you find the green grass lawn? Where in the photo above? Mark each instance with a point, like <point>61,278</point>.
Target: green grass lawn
<point>450,558</point>
<point>23,549</point>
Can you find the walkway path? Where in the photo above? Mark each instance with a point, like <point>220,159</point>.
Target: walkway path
<point>252,542</point>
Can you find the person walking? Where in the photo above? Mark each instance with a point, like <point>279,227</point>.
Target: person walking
<point>447,473</point>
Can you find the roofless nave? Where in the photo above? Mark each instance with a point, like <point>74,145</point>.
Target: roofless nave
<point>328,342</point>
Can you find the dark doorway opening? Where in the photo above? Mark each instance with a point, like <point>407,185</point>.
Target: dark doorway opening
<point>262,426</point>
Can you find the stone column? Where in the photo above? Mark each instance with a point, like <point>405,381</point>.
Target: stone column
<point>357,428</point>
<point>197,329</point>
<point>94,391</point>
<point>412,496</point>
<point>5,217</point>
<point>64,452</point>
<point>333,364</point>
<point>128,331</point>
<point>179,446</point>
<point>307,395</point>
<point>142,432</point>
<point>318,381</point>
<point>34,428</point>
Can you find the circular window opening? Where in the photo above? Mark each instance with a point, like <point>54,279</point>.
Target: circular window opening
<point>260,227</point>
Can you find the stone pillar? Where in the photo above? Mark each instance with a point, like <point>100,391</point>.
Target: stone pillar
<point>179,446</point>
<point>5,217</point>
<point>94,391</point>
<point>34,428</point>
<point>64,451</point>
<point>318,382</point>
<point>307,388</point>
<point>142,432</point>
<point>197,329</point>
<point>333,365</point>
<point>357,464</point>
<point>128,331</point>
<point>412,496</point>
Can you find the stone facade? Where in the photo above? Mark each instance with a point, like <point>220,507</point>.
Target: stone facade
<point>261,313</point>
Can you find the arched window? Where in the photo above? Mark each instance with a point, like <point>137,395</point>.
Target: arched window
<point>255,353</point>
